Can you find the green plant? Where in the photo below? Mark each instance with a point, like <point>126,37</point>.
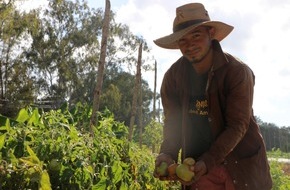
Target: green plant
<point>55,150</point>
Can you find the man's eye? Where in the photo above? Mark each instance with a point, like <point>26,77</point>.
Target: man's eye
<point>196,35</point>
<point>182,41</point>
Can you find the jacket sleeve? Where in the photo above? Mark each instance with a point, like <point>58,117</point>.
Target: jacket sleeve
<point>237,111</point>
<point>172,116</point>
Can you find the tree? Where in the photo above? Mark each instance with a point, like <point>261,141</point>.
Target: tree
<point>64,48</point>
<point>59,59</point>
<point>275,137</point>
<point>16,83</point>
<point>67,49</point>
<point>154,92</point>
<point>111,98</point>
<point>98,88</point>
<point>136,94</point>
<point>153,135</point>
<point>124,82</point>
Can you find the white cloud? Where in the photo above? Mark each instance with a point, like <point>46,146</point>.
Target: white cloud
<point>268,55</point>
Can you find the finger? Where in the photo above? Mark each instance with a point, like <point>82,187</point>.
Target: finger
<point>186,182</point>
<point>163,178</point>
<point>157,162</point>
<point>155,174</point>
<point>199,173</point>
<point>192,168</point>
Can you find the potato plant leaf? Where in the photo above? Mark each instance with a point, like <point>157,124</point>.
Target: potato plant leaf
<point>45,181</point>
<point>34,119</point>
<point>33,156</point>
<point>101,185</point>
<point>22,116</point>
<point>2,140</point>
<point>117,172</point>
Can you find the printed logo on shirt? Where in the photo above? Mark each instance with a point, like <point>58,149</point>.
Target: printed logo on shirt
<point>198,106</point>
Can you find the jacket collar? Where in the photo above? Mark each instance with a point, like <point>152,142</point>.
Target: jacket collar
<point>219,58</point>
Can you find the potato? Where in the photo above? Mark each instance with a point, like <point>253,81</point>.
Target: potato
<point>183,172</point>
<point>172,169</point>
<point>161,170</point>
<point>189,161</point>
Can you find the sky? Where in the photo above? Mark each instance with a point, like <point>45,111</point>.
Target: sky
<point>261,39</point>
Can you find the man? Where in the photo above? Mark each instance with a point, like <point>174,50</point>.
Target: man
<point>207,96</point>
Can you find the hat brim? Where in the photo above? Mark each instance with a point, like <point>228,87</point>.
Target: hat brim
<point>171,41</point>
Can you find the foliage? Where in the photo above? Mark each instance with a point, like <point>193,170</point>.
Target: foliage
<point>152,136</point>
<point>281,181</point>
<point>58,56</point>
<point>58,46</point>
<point>123,84</point>
<point>16,82</point>
<point>277,153</point>
<point>54,150</point>
<point>111,98</point>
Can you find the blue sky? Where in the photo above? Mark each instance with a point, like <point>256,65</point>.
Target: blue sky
<point>261,39</point>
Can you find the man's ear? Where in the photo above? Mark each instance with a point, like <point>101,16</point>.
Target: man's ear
<point>211,32</point>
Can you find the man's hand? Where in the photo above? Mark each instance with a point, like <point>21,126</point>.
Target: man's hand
<point>200,169</point>
<point>162,158</point>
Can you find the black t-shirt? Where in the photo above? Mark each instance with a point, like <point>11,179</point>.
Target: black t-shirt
<point>198,135</point>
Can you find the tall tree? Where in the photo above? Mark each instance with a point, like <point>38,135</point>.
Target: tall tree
<point>123,83</point>
<point>59,58</point>
<point>64,48</point>
<point>140,114</point>
<point>136,93</point>
<point>16,83</point>
<point>154,92</point>
<point>98,88</point>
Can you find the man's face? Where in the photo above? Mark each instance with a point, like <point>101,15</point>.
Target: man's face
<point>196,44</point>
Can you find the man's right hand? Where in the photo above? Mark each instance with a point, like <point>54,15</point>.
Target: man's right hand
<point>162,158</point>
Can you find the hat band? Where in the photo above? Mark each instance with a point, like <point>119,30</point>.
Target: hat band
<point>186,24</point>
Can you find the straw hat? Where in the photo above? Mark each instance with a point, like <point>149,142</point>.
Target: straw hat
<point>187,18</point>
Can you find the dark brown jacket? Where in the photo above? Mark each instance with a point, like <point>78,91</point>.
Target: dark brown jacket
<point>238,143</point>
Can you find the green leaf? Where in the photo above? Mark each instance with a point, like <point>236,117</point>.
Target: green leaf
<point>3,128</point>
<point>124,186</point>
<point>101,185</point>
<point>117,172</point>
<point>2,140</point>
<point>28,161</point>
<point>45,181</point>
<point>7,125</point>
<point>73,133</point>
<point>33,156</point>
<point>22,116</point>
<point>2,120</point>
<point>12,157</point>
<point>34,118</point>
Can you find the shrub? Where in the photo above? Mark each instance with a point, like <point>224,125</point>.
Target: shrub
<point>53,150</point>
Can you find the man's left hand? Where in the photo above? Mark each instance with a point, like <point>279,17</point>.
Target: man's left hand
<point>200,169</point>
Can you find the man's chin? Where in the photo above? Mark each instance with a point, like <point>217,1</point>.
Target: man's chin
<point>192,60</point>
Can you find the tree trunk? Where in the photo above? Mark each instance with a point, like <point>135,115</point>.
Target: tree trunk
<point>101,66</point>
<point>154,93</point>
<point>136,93</point>
<point>159,108</point>
<point>1,82</point>
<point>140,113</point>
